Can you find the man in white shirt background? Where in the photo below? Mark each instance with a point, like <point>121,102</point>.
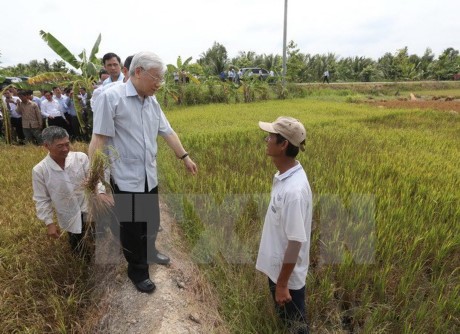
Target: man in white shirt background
<point>51,109</point>
<point>112,64</point>
<point>100,89</point>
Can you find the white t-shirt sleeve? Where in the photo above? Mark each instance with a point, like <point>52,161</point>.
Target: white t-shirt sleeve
<point>294,220</point>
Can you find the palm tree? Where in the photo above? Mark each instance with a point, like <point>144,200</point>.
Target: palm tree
<point>215,59</point>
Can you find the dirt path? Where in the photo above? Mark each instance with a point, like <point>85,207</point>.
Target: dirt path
<point>182,301</point>
<point>442,105</point>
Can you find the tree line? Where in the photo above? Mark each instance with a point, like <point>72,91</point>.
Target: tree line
<point>301,67</point>
<point>305,67</point>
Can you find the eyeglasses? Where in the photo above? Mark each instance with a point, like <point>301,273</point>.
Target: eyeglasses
<point>160,80</point>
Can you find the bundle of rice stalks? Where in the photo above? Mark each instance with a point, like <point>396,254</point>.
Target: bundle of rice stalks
<point>98,182</point>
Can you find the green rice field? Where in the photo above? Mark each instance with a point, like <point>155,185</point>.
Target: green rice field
<point>385,251</point>
<point>385,244</point>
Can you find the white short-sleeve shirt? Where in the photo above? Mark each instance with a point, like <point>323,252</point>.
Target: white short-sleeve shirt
<point>132,125</point>
<point>288,217</point>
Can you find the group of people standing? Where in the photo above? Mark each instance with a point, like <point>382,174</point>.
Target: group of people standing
<point>128,119</point>
<point>30,114</point>
<point>231,75</point>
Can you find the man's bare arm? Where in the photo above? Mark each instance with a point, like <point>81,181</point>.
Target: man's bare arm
<point>98,142</point>
<point>175,144</point>
<point>282,294</point>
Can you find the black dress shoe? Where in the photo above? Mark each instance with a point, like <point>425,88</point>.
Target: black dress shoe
<point>146,286</point>
<point>161,259</point>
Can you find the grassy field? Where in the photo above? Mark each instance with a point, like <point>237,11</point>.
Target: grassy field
<point>385,250</point>
<point>44,288</point>
<point>385,246</point>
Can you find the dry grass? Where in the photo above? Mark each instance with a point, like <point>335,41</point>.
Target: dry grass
<point>45,289</point>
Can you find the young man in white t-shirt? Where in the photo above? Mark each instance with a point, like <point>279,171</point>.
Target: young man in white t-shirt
<point>285,243</point>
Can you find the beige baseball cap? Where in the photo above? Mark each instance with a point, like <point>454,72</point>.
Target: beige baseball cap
<point>290,128</point>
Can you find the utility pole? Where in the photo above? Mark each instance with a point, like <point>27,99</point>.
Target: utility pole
<point>284,42</point>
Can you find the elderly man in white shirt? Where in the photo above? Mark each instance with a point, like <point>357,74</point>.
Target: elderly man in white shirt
<point>128,118</point>
<point>57,183</point>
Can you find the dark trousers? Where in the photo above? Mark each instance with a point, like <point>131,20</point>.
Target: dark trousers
<point>78,242</point>
<point>293,313</point>
<point>75,125</point>
<point>16,123</point>
<point>139,218</point>
<point>58,121</point>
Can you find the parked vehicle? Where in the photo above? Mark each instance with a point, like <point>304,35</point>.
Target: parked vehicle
<point>8,81</point>
<point>255,72</point>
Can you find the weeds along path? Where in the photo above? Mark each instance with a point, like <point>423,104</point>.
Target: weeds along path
<point>182,302</point>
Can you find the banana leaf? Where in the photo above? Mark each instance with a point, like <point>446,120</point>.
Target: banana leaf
<point>52,77</point>
<point>89,88</point>
<point>60,49</point>
<point>95,50</point>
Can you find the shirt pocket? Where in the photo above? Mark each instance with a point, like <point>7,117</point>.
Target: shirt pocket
<point>130,170</point>
<point>274,213</point>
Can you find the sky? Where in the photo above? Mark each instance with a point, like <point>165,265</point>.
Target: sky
<point>188,28</point>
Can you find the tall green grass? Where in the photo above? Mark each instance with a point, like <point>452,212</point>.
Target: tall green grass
<point>388,179</point>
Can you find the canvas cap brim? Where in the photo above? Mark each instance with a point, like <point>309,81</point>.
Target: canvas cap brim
<point>268,127</point>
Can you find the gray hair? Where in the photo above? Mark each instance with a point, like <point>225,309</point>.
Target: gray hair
<point>147,60</point>
<point>51,133</point>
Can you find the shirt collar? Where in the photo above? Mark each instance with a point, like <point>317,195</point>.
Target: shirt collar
<point>130,89</point>
<point>53,164</point>
<point>109,79</point>
<point>288,173</point>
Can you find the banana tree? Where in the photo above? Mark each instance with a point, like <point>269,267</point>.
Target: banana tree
<point>51,79</point>
<point>250,86</point>
<point>169,89</point>
<point>6,118</point>
<point>88,65</point>
<point>182,69</point>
